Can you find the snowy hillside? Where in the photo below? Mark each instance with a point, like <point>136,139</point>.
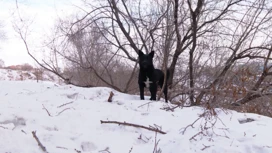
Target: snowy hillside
<point>67,119</point>
<point>19,75</point>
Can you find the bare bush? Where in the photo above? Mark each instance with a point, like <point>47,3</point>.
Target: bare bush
<point>2,63</point>
<point>26,67</point>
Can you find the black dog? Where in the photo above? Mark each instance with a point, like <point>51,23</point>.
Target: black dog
<point>149,76</point>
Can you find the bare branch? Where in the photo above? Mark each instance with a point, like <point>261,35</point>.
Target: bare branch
<point>39,142</point>
<point>134,125</point>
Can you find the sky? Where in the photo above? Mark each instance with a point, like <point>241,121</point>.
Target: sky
<point>42,13</point>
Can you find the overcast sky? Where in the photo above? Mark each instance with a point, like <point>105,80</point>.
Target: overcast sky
<point>43,14</point>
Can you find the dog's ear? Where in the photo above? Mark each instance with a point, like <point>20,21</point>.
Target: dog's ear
<point>151,54</point>
<point>140,53</point>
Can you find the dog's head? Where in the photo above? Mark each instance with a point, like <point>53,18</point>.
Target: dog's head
<point>146,60</point>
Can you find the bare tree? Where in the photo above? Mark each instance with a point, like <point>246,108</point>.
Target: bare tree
<point>240,44</point>
<point>204,45</point>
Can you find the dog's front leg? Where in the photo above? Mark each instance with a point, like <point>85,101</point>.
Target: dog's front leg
<point>141,92</point>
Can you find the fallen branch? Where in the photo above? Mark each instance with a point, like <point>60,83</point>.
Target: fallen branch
<point>47,111</point>
<point>145,104</point>
<point>134,125</point>
<point>65,104</point>
<point>38,141</point>
<point>63,111</point>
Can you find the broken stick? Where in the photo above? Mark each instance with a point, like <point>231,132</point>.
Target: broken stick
<point>110,97</point>
<point>38,141</point>
<point>134,125</point>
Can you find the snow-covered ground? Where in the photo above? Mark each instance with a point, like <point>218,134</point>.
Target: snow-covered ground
<point>67,119</point>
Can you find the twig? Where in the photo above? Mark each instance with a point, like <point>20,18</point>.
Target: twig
<point>134,125</point>
<point>190,125</point>
<point>173,108</point>
<point>4,127</point>
<point>205,147</point>
<point>157,126</point>
<point>110,97</point>
<point>170,108</point>
<point>130,150</point>
<point>141,138</point>
<point>65,104</point>
<point>23,131</point>
<point>193,137</point>
<point>156,150</point>
<point>47,111</point>
<point>77,151</point>
<point>146,104</point>
<point>105,150</point>
<point>63,111</point>
<point>59,147</point>
<point>231,142</point>
<point>38,141</point>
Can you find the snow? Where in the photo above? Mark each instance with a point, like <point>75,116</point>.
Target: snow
<point>75,114</point>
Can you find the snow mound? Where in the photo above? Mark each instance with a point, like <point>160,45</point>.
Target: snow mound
<point>67,119</point>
